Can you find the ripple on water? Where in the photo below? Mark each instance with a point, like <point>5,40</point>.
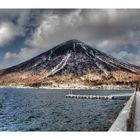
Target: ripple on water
<point>49,110</point>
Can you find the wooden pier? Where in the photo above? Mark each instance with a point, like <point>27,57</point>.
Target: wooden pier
<point>104,97</point>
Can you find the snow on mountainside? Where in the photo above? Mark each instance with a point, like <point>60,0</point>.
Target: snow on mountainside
<point>75,52</point>
<point>72,57</point>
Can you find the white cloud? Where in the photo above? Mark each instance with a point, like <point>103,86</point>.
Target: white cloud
<point>9,55</point>
<point>131,57</point>
<point>24,54</point>
<point>8,31</point>
<point>46,28</point>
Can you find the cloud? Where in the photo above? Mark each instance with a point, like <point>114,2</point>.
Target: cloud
<point>130,57</point>
<point>7,32</point>
<point>116,32</point>
<point>55,27</point>
<point>87,25</point>
<point>12,25</point>
<point>23,55</point>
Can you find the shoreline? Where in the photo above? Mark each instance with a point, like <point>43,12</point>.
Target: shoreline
<point>72,88</point>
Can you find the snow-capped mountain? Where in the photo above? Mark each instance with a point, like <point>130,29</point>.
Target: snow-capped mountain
<point>73,58</point>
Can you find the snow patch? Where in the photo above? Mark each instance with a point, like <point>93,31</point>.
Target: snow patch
<point>61,65</point>
<point>101,68</point>
<point>49,56</point>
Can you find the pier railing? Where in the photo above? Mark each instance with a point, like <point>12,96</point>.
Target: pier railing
<point>125,120</point>
<point>130,120</point>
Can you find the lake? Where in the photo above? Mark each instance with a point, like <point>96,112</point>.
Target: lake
<point>49,110</point>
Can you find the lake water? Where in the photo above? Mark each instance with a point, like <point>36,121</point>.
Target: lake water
<point>49,110</point>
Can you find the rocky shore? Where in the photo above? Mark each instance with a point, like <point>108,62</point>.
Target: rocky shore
<point>104,87</point>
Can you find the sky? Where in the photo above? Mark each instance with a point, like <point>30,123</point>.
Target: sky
<point>25,33</point>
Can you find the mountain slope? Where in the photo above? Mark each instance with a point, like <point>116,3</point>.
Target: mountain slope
<point>73,60</point>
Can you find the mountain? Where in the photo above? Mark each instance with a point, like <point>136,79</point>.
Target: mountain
<point>72,63</point>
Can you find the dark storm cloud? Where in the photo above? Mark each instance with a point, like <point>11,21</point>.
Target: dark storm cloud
<point>15,23</point>
<point>114,31</point>
<point>88,25</point>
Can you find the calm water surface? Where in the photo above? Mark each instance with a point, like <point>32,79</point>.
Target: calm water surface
<point>49,110</point>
